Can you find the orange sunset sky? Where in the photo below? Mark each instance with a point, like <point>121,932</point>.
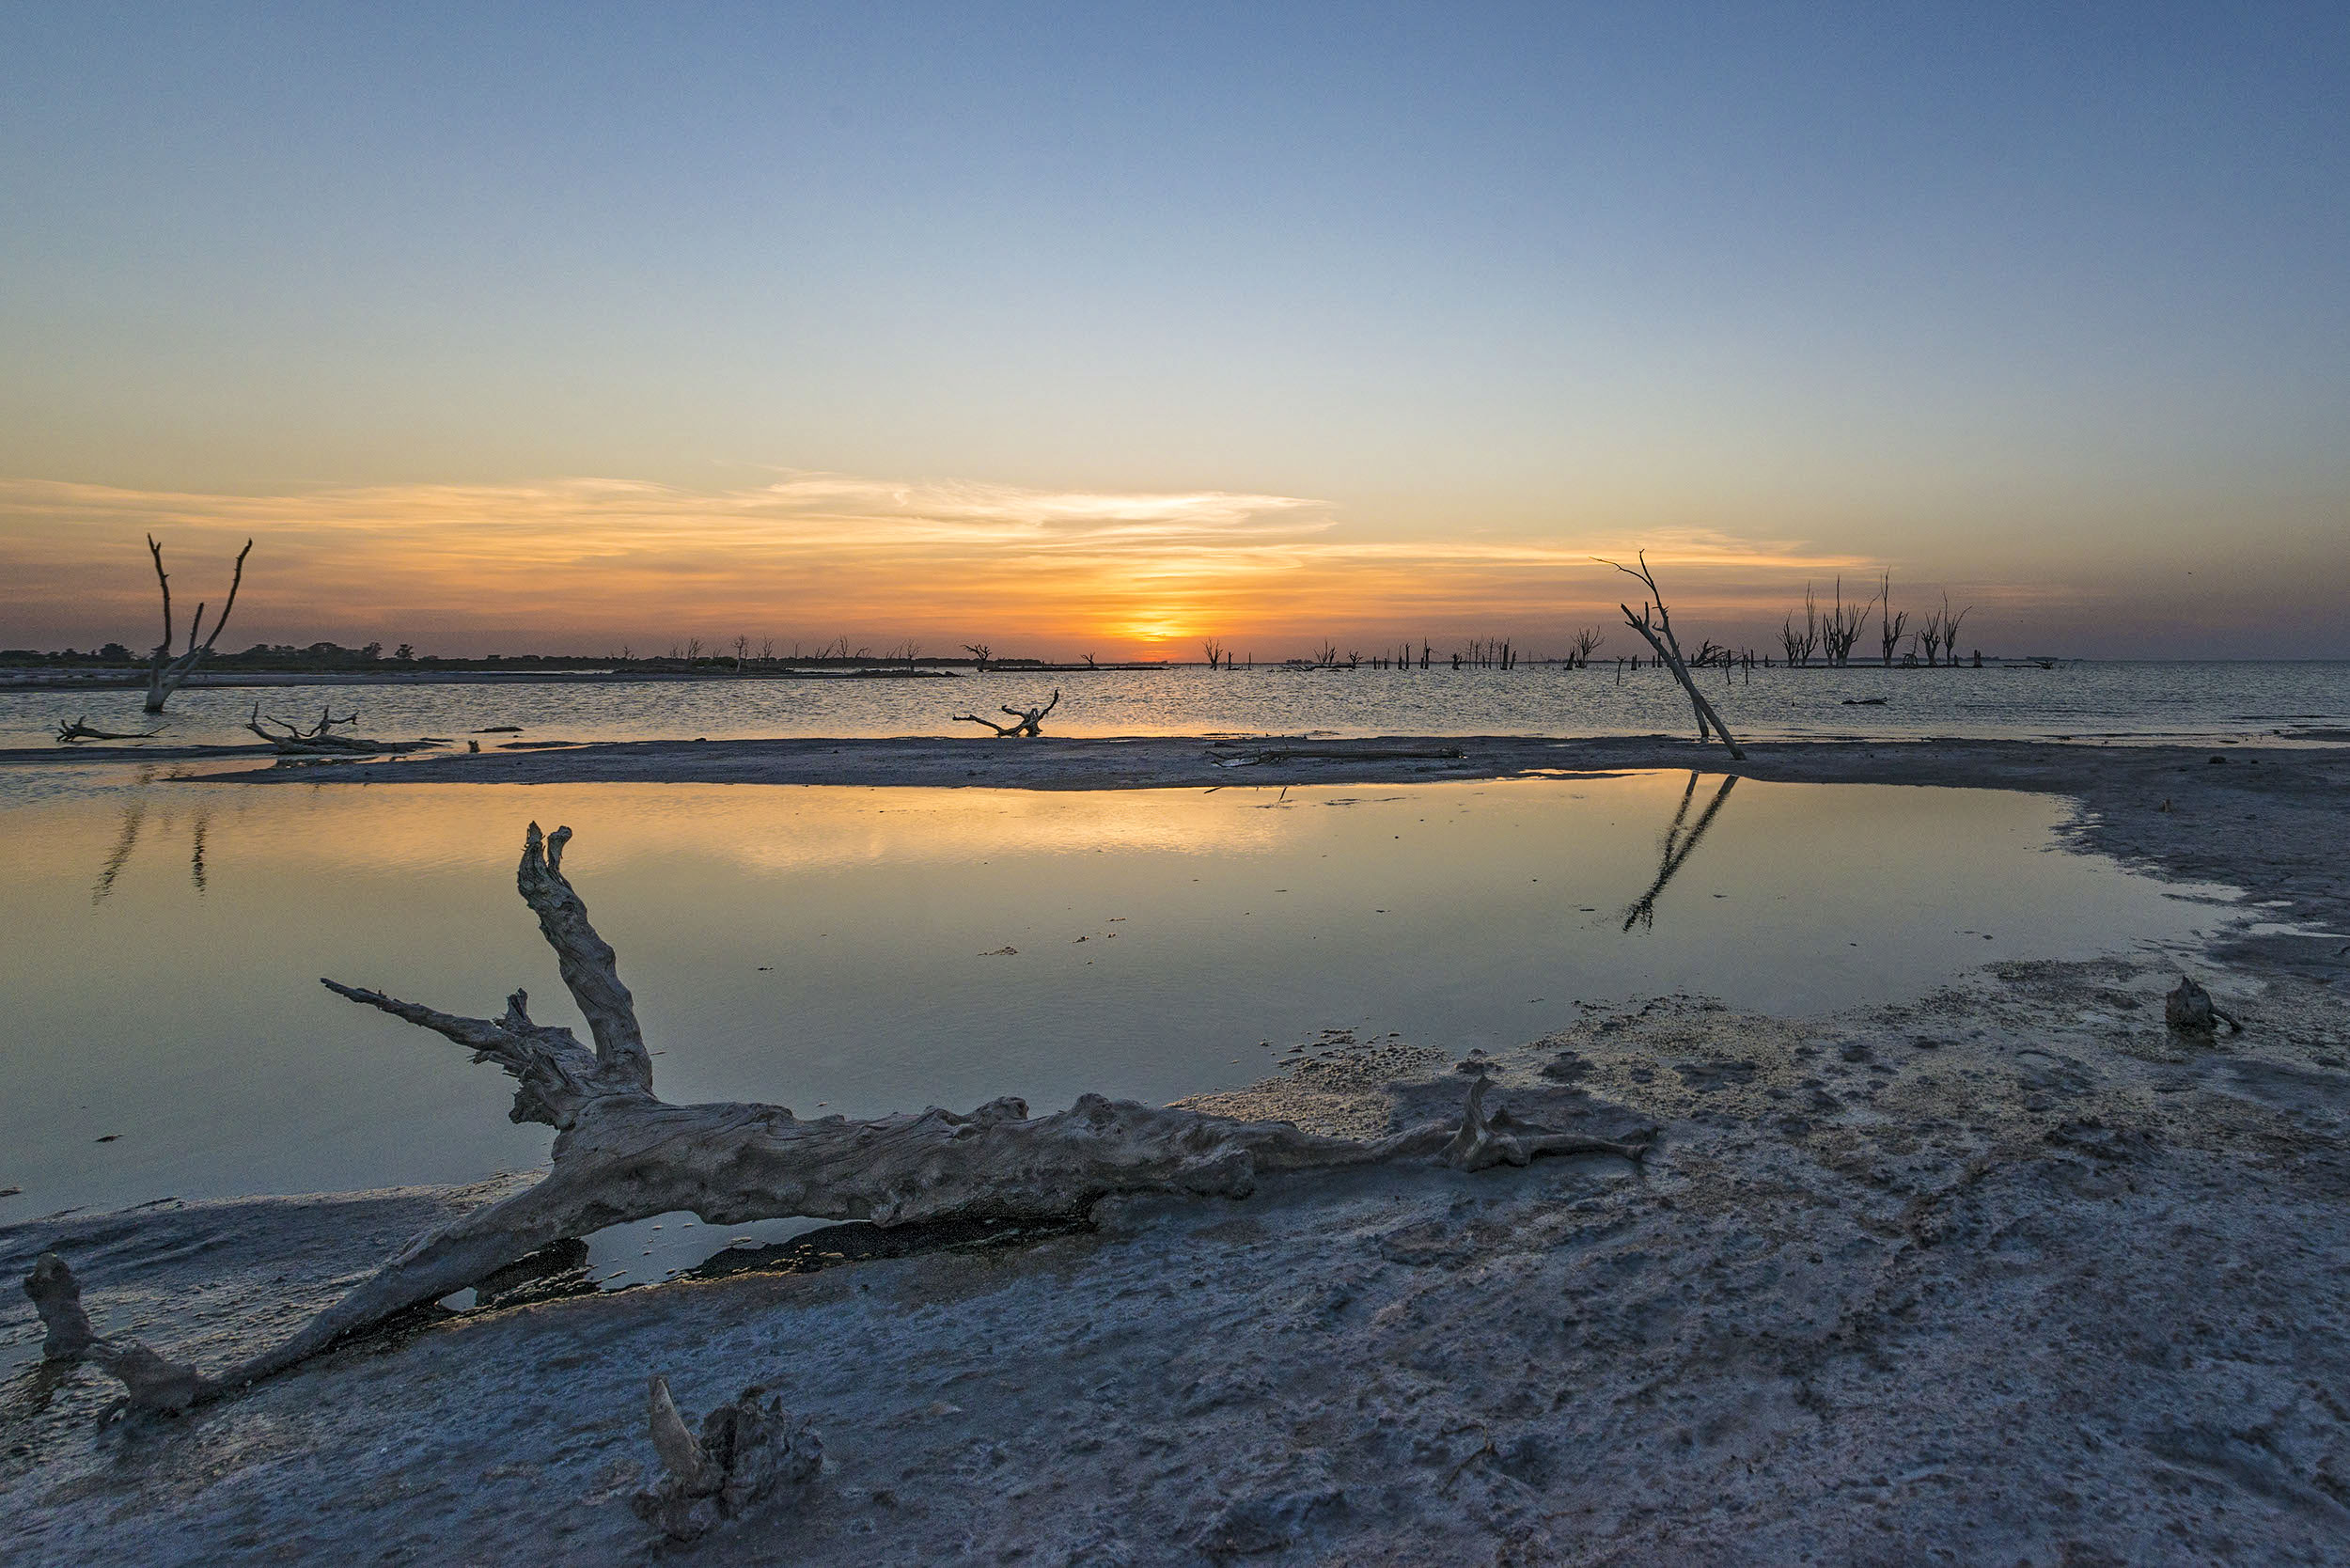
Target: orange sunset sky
<point>1107,332</point>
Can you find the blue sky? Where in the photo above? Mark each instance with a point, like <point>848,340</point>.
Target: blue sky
<point>2044,303</point>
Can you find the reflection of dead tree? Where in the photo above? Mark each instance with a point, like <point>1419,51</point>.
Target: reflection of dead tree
<point>1024,720</point>
<point>80,731</point>
<point>168,674</point>
<point>622,1155</point>
<point>134,818</point>
<point>1678,847</point>
<point>1654,622</point>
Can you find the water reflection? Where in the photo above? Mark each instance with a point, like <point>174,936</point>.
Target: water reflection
<point>864,950</point>
<point>1677,849</point>
<point>126,843</point>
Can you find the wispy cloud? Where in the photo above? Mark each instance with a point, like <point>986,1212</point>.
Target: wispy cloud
<point>589,564</point>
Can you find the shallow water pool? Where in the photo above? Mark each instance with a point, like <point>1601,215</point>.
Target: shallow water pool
<point>863,950</point>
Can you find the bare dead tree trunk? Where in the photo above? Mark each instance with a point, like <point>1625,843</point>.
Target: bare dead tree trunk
<point>1026,721</point>
<point>622,1155</point>
<point>1655,624</point>
<point>168,674</point>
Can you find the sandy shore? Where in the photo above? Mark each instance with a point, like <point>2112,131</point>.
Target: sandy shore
<point>2011,1274</point>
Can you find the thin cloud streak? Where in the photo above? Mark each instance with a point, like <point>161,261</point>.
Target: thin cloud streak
<point>588,564</point>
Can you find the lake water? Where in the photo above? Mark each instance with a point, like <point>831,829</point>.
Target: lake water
<point>864,950</point>
<point>2087,700</point>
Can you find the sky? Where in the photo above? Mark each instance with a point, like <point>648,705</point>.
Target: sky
<point>1110,328</point>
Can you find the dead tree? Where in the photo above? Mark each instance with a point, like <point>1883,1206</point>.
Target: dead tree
<point>1215,651</point>
<point>1843,628</point>
<point>1888,624</point>
<point>1655,624</point>
<point>980,652</point>
<point>167,674</point>
<point>1026,721</point>
<point>622,1155</point>
<point>67,734</point>
<point>1586,643</point>
<point>1949,629</point>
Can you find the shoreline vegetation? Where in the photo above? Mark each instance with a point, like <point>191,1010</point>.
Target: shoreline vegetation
<point>2015,1271</point>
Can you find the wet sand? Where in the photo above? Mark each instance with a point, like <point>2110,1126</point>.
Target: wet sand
<point>2013,1273</point>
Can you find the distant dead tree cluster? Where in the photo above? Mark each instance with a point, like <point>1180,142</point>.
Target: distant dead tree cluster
<point>1838,630</point>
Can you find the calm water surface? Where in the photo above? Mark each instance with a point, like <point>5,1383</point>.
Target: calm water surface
<point>2075,700</point>
<point>844,950</point>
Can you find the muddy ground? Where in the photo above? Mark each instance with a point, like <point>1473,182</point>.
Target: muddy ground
<point>2011,1274</point>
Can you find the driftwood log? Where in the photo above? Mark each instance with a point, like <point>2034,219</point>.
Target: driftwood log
<point>621,1153</point>
<point>68,734</point>
<point>319,740</point>
<point>1024,721</point>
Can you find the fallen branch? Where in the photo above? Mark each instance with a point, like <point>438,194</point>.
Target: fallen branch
<point>80,731</point>
<point>622,1155</point>
<point>1026,721</point>
<point>319,740</point>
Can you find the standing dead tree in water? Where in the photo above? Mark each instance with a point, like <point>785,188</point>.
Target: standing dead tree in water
<point>1888,623</point>
<point>166,673</point>
<point>1949,629</point>
<point>1026,721</point>
<point>1585,643</point>
<point>1216,655</point>
<point>621,1154</point>
<point>1655,623</point>
<point>1843,628</point>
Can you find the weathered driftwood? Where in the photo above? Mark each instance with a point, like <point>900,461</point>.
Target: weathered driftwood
<point>319,740</point>
<point>621,1154</point>
<point>747,1449</point>
<point>1655,624</point>
<point>167,674</point>
<point>1026,721</point>
<point>2190,1006</point>
<point>80,731</point>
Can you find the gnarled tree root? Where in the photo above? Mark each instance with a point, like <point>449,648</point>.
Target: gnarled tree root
<point>621,1154</point>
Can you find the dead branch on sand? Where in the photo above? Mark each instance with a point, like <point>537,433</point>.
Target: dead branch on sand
<point>67,734</point>
<point>1026,721</point>
<point>1655,623</point>
<point>621,1153</point>
<point>319,740</point>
